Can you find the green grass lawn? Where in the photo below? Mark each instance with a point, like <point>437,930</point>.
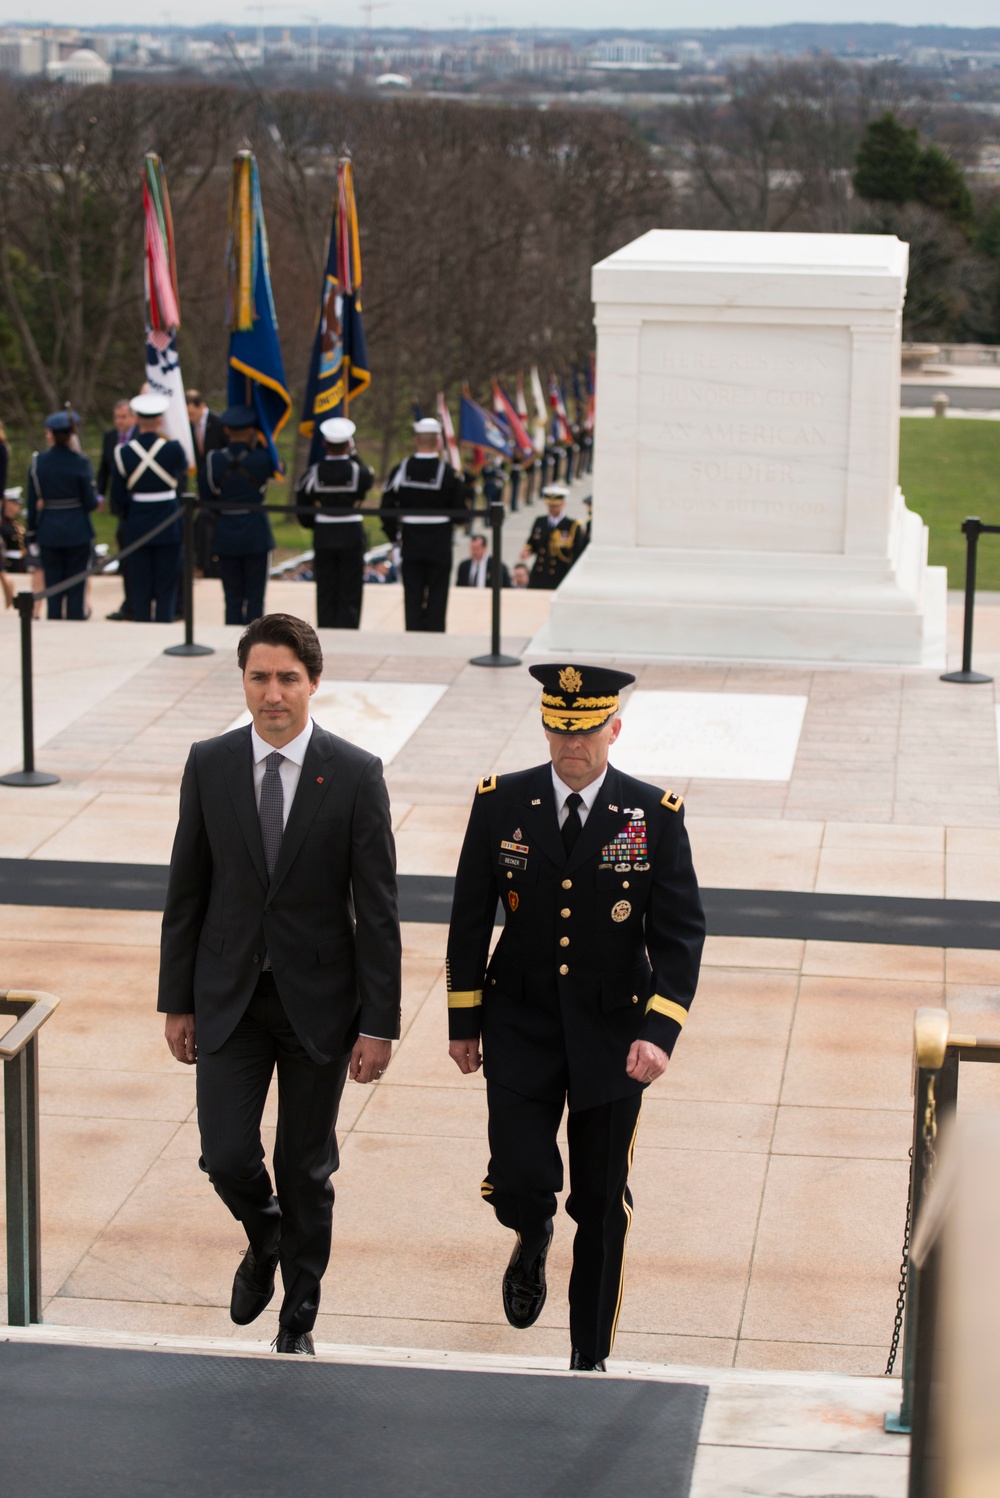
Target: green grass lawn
<point>949,469</point>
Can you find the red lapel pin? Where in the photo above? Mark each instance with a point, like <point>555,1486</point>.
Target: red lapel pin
<point>319,780</point>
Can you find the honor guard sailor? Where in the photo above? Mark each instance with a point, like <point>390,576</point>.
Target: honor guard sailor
<point>336,487</point>
<point>420,488</point>
<point>236,478</point>
<point>149,469</point>
<point>555,540</point>
<point>61,496</point>
<point>584,996</point>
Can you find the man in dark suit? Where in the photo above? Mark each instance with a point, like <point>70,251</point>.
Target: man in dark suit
<point>115,437</point>
<point>208,435</point>
<point>280,948</point>
<point>477,570</point>
<point>584,996</point>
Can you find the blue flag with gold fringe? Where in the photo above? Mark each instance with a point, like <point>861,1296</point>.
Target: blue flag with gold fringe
<point>256,369</point>
<point>338,370</point>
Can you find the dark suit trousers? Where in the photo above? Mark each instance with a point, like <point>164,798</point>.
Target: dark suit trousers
<point>339,573</point>
<point>232,1088</point>
<point>525,1173</point>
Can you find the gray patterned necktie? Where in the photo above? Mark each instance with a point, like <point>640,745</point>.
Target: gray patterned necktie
<point>272,809</point>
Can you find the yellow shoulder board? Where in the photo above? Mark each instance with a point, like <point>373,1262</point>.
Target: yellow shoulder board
<point>672,802</point>
<point>488,783</point>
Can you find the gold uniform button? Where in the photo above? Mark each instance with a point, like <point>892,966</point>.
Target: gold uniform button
<point>635,998</point>
<point>509,874</point>
<point>567,884</point>
<point>624,882</point>
<point>565,913</point>
<point>564,941</point>
<point>563,970</point>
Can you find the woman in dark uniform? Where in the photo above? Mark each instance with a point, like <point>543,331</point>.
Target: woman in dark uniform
<point>61,497</point>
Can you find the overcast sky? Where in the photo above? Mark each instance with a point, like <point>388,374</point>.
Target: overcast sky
<point>448,13</point>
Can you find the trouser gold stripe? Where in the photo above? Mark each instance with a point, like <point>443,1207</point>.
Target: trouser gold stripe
<point>628,1223</point>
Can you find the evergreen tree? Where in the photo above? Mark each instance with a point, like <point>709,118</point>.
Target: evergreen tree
<point>887,162</point>
<point>939,183</point>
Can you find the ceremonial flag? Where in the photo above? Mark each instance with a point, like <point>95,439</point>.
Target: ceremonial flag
<point>256,370</point>
<point>590,371</point>
<point>451,446</point>
<point>522,404</point>
<point>560,420</point>
<point>509,416</point>
<point>481,428</point>
<point>541,411</point>
<point>338,370</point>
<point>163,312</point>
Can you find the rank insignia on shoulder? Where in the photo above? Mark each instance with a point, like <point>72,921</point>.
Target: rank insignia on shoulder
<point>672,801</point>
<point>488,783</point>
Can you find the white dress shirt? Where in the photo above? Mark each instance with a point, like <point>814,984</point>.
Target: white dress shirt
<point>289,770</point>
<point>589,793</point>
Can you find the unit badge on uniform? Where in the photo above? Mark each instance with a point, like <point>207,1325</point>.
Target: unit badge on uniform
<point>621,911</point>
<point>518,834</point>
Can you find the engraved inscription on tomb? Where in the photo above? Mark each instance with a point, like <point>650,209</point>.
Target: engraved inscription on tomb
<point>743,436</point>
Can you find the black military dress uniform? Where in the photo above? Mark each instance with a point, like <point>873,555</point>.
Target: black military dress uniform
<point>61,496</point>
<point>336,487</point>
<point>420,488</point>
<point>556,548</point>
<point>237,477</point>
<point>148,472</point>
<point>601,947</point>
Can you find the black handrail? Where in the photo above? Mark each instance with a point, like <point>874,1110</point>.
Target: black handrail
<point>19,1052</point>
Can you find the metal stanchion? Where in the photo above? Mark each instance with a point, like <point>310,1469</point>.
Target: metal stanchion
<point>189,647</point>
<point>495,657</point>
<point>972,529</point>
<point>25,605</point>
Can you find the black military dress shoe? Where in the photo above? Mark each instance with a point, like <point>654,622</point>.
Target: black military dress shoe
<point>289,1341</point>
<point>524,1284</point>
<point>253,1287</point>
<point>580,1364</point>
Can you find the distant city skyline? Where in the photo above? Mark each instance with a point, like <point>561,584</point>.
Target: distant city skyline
<point>522,14</point>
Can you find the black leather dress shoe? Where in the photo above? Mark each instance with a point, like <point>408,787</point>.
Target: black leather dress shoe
<point>289,1341</point>
<point>579,1364</point>
<point>253,1287</point>
<point>524,1285</point>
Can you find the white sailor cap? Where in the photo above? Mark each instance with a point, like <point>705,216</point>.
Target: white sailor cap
<point>555,491</point>
<point>15,493</point>
<point>427,426</point>
<point>150,404</point>
<point>337,429</point>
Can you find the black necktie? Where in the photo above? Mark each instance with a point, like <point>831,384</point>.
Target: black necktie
<point>272,809</point>
<point>572,827</point>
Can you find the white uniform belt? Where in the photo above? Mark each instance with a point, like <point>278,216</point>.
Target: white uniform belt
<point>338,519</point>
<point>154,499</point>
<point>425,519</point>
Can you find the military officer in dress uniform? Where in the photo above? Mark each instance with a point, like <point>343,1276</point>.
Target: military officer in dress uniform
<point>61,496</point>
<point>420,488</point>
<point>336,487</point>
<point>149,468</point>
<point>236,478</point>
<point>584,996</point>
<point>555,540</point>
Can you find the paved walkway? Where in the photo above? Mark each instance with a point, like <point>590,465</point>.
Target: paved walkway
<point>770,1175</point>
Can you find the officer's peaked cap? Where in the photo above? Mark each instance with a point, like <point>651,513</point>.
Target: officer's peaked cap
<point>579,699</point>
<point>554,492</point>
<point>62,421</point>
<point>150,404</point>
<point>337,429</point>
<point>238,417</point>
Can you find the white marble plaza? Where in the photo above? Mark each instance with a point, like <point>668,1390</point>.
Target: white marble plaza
<point>378,716</point>
<point>718,735</point>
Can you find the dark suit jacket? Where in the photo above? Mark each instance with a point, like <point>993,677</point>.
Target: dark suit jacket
<point>464,568</point>
<point>598,949</point>
<point>106,468</point>
<point>215,441</point>
<point>327,919</point>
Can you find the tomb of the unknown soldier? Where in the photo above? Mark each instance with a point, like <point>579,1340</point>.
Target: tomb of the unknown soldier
<point>782,1215</point>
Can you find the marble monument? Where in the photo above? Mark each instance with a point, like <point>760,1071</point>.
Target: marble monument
<point>746,501</point>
